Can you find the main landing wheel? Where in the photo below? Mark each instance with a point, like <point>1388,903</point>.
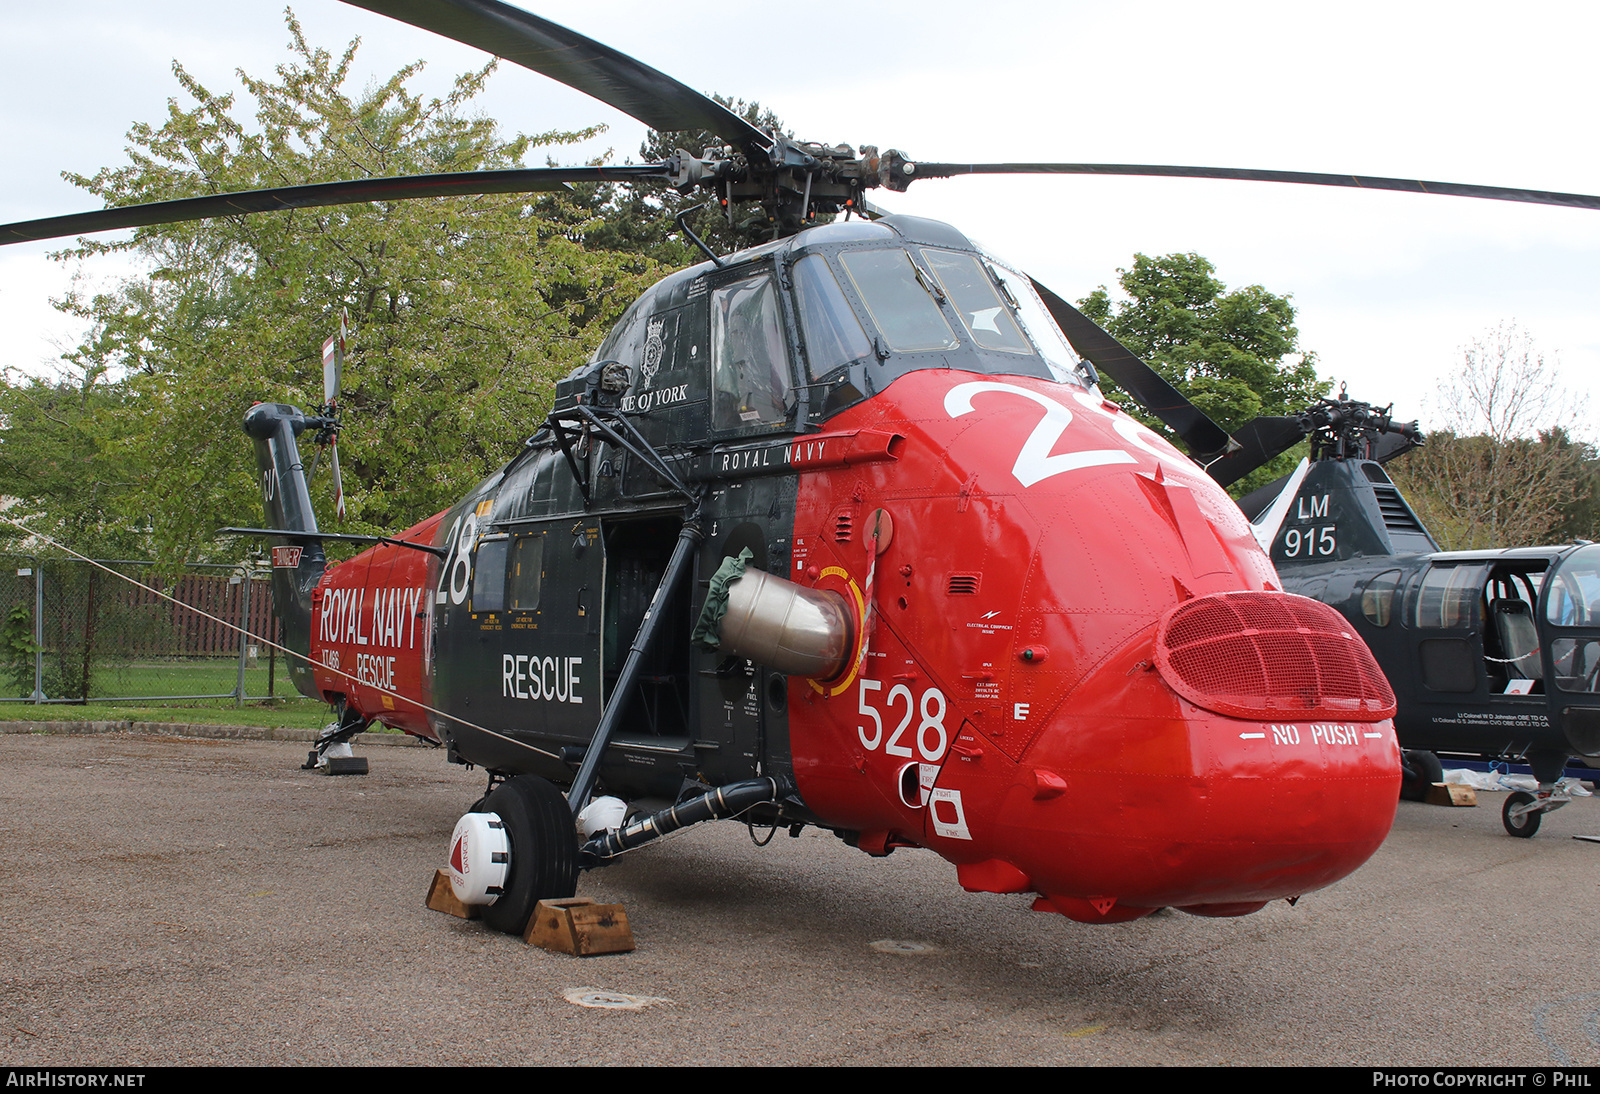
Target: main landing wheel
<point>1525,825</point>
<point>1419,770</point>
<point>544,849</point>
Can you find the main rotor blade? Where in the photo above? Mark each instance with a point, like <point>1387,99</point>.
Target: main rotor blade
<point>1205,438</point>
<point>1391,445</point>
<point>1242,174</point>
<point>609,75</point>
<point>1261,440</point>
<point>354,192</point>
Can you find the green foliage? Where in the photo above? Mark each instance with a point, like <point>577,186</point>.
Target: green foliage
<point>17,650</point>
<point>51,461</point>
<point>1580,517</point>
<point>465,310</point>
<point>1235,354</point>
<point>1479,492</point>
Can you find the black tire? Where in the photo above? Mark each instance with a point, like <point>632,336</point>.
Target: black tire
<point>1420,770</point>
<point>544,849</point>
<point>1524,826</point>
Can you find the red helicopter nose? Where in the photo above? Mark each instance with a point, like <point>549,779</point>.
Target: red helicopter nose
<point>1155,801</point>
<point>1078,678</point>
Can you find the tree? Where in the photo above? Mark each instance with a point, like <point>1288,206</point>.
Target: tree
<point>1580,517</point>
<point>1502,469</point>
<point>465,309</point>
<point>1235,354</point>
<point>50,465</point>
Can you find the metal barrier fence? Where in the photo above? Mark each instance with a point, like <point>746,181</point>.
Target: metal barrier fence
<point>70,632</point>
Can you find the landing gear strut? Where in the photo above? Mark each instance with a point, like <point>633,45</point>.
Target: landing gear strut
<point>332,752</point>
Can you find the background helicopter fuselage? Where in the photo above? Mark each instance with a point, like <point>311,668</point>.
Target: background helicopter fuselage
<point>878,411</point>
<point>1492,654</point>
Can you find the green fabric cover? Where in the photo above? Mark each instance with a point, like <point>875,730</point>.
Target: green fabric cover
<point>707,629</point>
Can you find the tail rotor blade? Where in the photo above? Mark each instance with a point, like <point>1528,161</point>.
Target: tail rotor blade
<point>332,365</point>
<point>338,480</point>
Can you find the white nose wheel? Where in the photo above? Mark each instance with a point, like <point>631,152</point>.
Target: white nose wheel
<point>519,848</point>
<point>480,858</point>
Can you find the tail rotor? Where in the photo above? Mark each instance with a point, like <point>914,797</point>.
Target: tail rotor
<point>327,437</point>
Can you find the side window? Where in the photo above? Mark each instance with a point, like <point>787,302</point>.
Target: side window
<point>1574,599</point>
<point>489,575</point>
<point>750,361</point>
<point>526,572</point>
<point>1041,327</point>
<point>832,333</point>
<point>1377,599</point>
<point>1448,595</point>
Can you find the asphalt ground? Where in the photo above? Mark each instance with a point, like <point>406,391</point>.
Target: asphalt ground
<point>181,901</point>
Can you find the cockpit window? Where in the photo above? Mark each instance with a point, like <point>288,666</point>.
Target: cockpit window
<point>900,300</point>
<point>967,285</point>
<point>750,365</point>
<point>1574,599</point>
<point>832,333</point>
<point>1041,327</point>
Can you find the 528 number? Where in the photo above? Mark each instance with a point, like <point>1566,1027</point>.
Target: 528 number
<point>930,737</point>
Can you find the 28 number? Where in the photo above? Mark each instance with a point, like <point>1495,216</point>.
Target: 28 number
<point>456,573</point>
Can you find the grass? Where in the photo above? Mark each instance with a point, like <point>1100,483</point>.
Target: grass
<point>136,685</point>
<point>209,676</point>
<point>295,713</point>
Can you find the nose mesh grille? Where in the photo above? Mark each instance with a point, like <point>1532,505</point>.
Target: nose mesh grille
<point>1270,655</point>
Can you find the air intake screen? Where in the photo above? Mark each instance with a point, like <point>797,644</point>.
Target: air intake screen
<point>1270,656</point>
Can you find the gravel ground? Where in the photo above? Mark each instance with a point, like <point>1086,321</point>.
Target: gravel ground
<point>184,901</point>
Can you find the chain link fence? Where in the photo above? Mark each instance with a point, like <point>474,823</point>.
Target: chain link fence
<point>71,633</point>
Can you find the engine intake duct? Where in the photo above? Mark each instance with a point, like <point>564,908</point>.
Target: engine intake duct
<point>786,627</point>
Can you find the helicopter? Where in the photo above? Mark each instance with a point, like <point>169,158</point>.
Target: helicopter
<point>1493,654</point>
<point>943,593</point>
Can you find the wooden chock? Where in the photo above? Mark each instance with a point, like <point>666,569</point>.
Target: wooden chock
<point>442,898</point>
<point>580,927</point>
<point>1451,794</point>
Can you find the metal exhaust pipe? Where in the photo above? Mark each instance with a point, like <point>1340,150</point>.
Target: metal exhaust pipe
<point>787,627</point>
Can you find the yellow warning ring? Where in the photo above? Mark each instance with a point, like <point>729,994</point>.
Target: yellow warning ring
<point>858,646</point>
